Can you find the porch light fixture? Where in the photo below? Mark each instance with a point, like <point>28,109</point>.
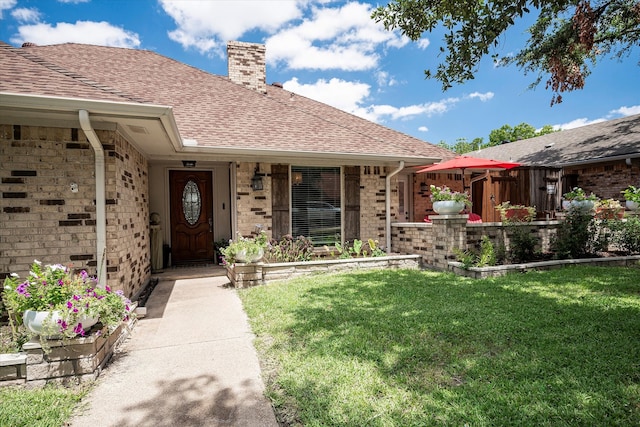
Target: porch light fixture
<point>551,189</point>
<point>189,163</point>
<point>296,177</point>
<point>256,181</point>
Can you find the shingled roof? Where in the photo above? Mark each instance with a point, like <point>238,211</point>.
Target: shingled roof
<point>610,140</point>
<point>211,109</point>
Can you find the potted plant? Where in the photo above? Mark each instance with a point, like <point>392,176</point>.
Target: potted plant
<point>609,209</point>
<point>245,249</point>
<point>632,197</point>
<point>53,302</point>
<point>219,245</point>
<point>579,199</point>
<point>516,213</point>
<point>448,202</point>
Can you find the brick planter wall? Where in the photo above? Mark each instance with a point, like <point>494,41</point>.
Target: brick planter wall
<point>247,275</point>
<point>68,362</point>
<point>436,242</point>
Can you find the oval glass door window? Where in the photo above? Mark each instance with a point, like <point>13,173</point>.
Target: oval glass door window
<point>191,202</point>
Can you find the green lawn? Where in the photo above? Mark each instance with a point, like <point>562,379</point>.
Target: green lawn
<point>47,407</point>
<point>411,348</point>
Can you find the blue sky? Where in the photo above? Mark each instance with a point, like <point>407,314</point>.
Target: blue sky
<point>333,52</point>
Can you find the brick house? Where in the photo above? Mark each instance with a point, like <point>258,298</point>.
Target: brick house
<point>93,140</point>
<point>603,158</point>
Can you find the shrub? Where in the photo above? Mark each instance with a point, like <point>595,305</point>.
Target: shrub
<point>359,249</point>
<point>522,244</point>
<point>574,239</point>
<point>485,257</point>
<point>288,249</point>
<point>626,234</point>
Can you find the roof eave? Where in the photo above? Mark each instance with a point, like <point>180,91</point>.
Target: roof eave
<point>164,113</point>
<point>282,156</point>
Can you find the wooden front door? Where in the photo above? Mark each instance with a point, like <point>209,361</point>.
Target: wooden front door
<point>191,216</point>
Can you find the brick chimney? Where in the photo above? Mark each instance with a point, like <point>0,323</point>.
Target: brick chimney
<point>246,63</point>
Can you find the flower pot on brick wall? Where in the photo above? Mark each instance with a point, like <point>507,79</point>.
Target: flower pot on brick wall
<point>632,206</point>
<point>46,323</point>
<point>448,207</point>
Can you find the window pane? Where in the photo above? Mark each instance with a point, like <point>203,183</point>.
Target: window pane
<point>315,204</point>
<point>191,202</point>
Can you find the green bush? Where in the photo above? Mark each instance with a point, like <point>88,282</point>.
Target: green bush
<point>486,256</point>
<point>574,239</point>
<point>626,235</point>
<point>522,244</point>
<point>289,249</point>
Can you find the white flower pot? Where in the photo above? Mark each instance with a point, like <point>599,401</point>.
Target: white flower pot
<point>448,207</point>
<point>242,256</point>
<point>583,205</point>
<point>33,321</point>
<point>632,206</point>
<point>566,204</point>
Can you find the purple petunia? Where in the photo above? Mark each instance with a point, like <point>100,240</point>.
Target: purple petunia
<point>78,329</point>
<point>22,289</point>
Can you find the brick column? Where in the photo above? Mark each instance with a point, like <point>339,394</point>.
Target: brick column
<point>449,233</point>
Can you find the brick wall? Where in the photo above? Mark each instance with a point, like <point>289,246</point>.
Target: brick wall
<point>253,207</point>
<point>607,179</point>
<point>436,242</point>
<point>373,202</point>
<point>422,204</point>
<point>246,65</point>
<point>127,193</point>
<point>42,218</point>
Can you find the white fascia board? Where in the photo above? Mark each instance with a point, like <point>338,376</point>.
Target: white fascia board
<point>103,108</point>
<point>274,156</point>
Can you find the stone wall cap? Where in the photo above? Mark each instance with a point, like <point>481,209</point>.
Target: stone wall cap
<point>10,359</point>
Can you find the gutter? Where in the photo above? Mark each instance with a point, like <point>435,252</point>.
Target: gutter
<point>101,208</point>
<point>600,159</point>
<point>388,204</point>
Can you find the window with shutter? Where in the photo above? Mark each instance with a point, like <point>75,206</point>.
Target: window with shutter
<point>316,204</point>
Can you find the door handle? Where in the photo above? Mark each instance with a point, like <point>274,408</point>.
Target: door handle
<point>210,225</point>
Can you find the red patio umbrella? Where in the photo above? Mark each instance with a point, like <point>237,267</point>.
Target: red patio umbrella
<point>473,164</point>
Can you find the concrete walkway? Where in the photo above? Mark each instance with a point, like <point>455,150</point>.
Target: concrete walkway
<point>189,362</point>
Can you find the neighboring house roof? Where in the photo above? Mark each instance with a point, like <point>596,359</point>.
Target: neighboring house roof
<point>610,140</point>
<point>217,113</point>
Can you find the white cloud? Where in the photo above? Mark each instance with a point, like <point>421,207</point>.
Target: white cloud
<point>627,111</point>
<point>351,97</point>
<point>424,43</point>
<point>383,79</point>
<point>74,1</point>
<point>482,96</point>
<point>336,92</point>
<point>344,38</point>
<point>208,25</point>
<point>577,123</point>
<point>24,15</point>
<point>6,5</point>
<point>89,32</point>
<point>622,111</point>
<point>423,129</point>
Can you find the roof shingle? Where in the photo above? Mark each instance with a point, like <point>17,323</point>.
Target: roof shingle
<point>592,143</point>
<point>208,108</point>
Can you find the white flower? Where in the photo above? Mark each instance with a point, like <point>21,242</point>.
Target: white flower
<point>14,275</point>
<point>35,261</point>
